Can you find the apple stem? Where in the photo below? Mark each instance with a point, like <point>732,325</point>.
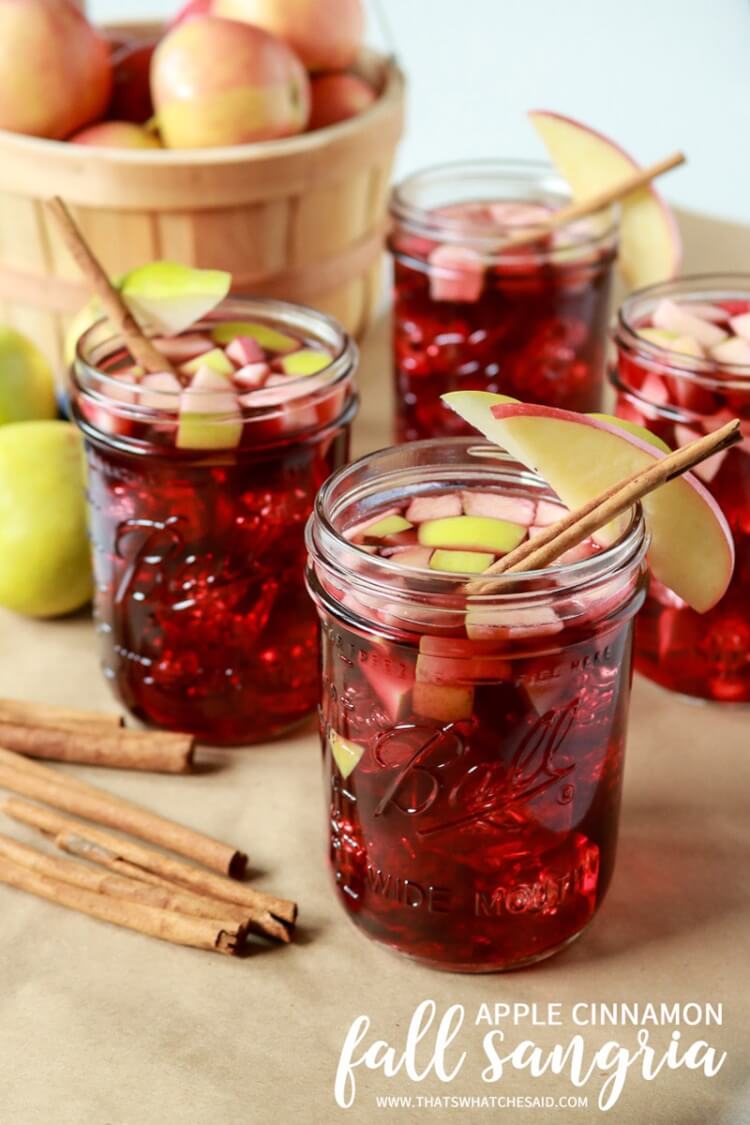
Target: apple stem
<point>142,350</point>
<point>575,527</point>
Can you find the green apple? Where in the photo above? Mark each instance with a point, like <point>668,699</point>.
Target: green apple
<point>270,339</point>
<point>307,361</point>
<point>27,387</point>
<point>346,754</point>
<point>216,359</point>
<point>45,568</point>
<point>691,548</point>
<point>389,525</point>
<point>459,562</point>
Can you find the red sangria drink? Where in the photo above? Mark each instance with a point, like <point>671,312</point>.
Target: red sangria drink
<point>473,728</point>
<point>475,308</point>
<point>683,370</point>
<point>200,482</point>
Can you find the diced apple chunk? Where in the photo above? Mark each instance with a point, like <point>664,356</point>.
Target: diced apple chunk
<point>424,508</point>
<point>252,376</point>
<point>180,349</point>
<point>676,318</point>
<point>244,350</point>
<point>740,325</point>
<point>306,361</point>
<point>456,274</point>
<point>445,702</point>
<point>688,345</point>
<point>346,754</point>
<point>210,416</point>
<point>411,556</point>
<point>160,391</point>
<point>707,469</point>
<point>547,512</point>
<point>389,686</point>
<point>714,313</point>
<point>461,562</point>
<point>356,530</point>
<point>516,509</point>
<point>270,339</point>
<point>533,621</point>
<point>471,533</point>
<point>735,350</point>
<point>388,525</point>
<point>215,359</point>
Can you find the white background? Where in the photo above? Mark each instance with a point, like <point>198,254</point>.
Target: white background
<point>655,75</point>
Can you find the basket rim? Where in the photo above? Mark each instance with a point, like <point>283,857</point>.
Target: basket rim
<point>391,99</point>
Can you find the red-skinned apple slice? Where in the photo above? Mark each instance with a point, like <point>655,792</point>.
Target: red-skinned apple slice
<point>650,246</point>
<point>579,456</point>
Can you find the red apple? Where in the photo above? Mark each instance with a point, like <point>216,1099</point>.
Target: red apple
<point>326,34</point>
<point>131,95</point>
<point>220,82</point>
<point>55,71</point>
<point>335,97</point>
<point>116,134</point>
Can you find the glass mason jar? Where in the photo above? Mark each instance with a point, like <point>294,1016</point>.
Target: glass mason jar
<point>199,554</point>
<point>472,312</point>
<point>680,397</point>
<point>473,774</point>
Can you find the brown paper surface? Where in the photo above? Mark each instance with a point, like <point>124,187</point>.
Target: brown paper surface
<point>103,1027</point>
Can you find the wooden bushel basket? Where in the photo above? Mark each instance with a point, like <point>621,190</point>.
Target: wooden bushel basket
<point>302,218</point>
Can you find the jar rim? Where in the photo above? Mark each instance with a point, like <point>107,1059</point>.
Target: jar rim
<point>329,547</point>
<point>538,175</point>
<point>708,287</point>
<point>99,340</point>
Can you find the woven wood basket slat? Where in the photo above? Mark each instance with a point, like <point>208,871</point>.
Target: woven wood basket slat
<point>303,219</point>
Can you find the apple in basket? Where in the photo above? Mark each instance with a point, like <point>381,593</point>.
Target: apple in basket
<point>336,97</point>
<point>326,34</point>
<point>116,134</point>
<point>55,70</point>
<point>259,90</point>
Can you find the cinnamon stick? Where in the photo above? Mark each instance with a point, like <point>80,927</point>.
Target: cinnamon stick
<point>31,713</point>
<point>120,886</point>
<point>270,915</point>
<point>118,313</point>
<point>186,901</point>
<point>200,933</point>
<point>31,779</point>
<point>115,747</point>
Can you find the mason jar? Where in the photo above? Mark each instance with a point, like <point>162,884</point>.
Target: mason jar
<point>198,529</point>
<point>474,310</point>
<point>473,739</point>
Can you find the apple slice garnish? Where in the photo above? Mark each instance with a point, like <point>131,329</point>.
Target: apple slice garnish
<point>650,245</point>
<point>580,456</point>
<point>166,297</point>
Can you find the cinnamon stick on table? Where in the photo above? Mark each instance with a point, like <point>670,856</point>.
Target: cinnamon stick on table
<point>120,886</point>
<point>268,914</point>
<point>201,933</point>
<point>31,779</point>
<point>31,713</point>
<point>105,745</point>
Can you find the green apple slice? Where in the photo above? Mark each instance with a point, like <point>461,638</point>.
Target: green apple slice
<point>216,359</point>
<point>166,297</point>
<point>389,525</point>
<point>210,416</point>
<point>691,548</point>
<point>471,533</point>
<point>346,754</point>
<point>650,246</point>
<point>459,562</point>
<point>306,361</point>
<point>269,338</point>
